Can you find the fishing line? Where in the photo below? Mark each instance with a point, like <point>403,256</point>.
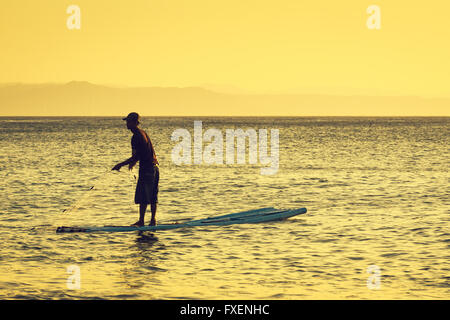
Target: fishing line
<point>88,193</point>
<point>77,204</point>
<point>134,183</point>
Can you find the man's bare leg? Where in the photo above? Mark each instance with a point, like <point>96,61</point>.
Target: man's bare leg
<point>142,209</point>
<point>153,209</point>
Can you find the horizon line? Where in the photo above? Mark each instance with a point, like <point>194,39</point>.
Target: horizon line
<point>218,116</point>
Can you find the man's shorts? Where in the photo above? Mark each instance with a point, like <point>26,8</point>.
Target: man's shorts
<point>147,187</point>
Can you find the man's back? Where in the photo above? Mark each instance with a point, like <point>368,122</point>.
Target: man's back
<point>141,143</point>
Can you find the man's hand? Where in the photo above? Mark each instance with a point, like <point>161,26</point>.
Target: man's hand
<point>117,167</point>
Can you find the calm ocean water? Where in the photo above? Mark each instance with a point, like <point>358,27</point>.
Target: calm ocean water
<point>376,189</point>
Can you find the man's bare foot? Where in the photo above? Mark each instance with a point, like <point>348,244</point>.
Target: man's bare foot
<point>137,224</point>
<point>152,222</point>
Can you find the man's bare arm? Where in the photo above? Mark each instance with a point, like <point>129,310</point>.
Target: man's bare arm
<point>130,161</point>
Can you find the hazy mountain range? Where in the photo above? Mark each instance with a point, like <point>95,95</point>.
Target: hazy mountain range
<point>78,98</point>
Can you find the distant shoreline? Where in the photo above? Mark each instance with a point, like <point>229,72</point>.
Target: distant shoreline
<point>87,99</point>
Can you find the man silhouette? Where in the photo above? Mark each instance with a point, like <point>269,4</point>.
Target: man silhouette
<point>147,185</point>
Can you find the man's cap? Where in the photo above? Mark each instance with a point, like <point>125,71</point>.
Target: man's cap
<point>132,116</point>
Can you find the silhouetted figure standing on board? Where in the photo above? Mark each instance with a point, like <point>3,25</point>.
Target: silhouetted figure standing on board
<point>147,185</point>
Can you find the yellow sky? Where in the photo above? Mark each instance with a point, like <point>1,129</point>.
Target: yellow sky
<point>260,46</point>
